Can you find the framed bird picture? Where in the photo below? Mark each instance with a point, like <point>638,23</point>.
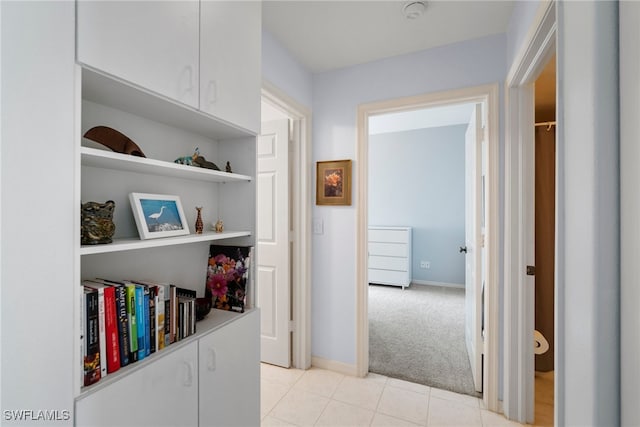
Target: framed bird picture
<point>158,215</point>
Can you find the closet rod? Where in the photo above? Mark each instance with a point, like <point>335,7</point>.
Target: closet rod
<point>546,124</point>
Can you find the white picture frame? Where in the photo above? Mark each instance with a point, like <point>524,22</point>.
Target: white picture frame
<point>158,215</point>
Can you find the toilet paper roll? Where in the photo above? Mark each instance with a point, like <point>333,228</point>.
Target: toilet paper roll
<point>540,343</point>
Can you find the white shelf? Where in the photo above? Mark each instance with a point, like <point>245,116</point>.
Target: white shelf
<point>129,244</point>
<point>116,93</point>
<point>111,160</point>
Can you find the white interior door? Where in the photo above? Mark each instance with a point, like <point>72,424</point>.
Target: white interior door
<point>273,293</point>
<point>473,236</point>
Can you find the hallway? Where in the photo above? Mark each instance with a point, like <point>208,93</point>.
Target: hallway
<point>317,397</point>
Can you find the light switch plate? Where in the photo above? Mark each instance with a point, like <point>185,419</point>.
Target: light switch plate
<point>318,226</point>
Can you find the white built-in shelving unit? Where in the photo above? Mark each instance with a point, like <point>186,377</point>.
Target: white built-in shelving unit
<point>177,97</point>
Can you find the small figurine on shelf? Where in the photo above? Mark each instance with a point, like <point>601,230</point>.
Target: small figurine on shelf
<point>199,224</point>
<point>219,226</point>
<point>199,160</point>
<point>97,225</point>
<point>228,167</point>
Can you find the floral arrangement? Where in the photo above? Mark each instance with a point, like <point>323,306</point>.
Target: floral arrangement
<point>227,276</point>
<point>333,183</point>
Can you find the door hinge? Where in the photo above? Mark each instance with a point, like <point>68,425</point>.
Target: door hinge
<point>292,326</point>
<point>531,270</point>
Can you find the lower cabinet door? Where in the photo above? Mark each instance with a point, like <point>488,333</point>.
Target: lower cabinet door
<point>163,393</point>
<point>229,363</point>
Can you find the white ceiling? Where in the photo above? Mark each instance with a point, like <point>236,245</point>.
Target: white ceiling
<point>331,34</point>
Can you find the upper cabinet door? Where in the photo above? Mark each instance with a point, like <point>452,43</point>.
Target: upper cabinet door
<point>153,44</point>
<point>230,61</point>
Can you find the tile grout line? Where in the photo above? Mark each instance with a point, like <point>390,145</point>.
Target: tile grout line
<point>426,422</point>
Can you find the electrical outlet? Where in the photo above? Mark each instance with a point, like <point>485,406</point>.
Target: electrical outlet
<point>425,264</point>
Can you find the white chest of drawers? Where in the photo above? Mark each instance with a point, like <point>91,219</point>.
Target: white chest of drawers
<point>390,255</point>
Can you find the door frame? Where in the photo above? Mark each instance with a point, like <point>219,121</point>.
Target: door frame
<point>301,219</point>
<point>519,230</point>
<point>487,94</point>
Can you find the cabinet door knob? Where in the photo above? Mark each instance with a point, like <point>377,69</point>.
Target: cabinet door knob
<point>188,374</point>
<point>212,92</point>
<point>211,363</point>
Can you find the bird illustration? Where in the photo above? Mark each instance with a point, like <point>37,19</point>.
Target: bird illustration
<point>157,214</point>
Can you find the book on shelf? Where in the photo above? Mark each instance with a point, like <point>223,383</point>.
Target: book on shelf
<point>160,318</point>
<point>141,320</point>
<point>102,339</point>
<point>122,318</point>
<point>186,301</point>
<point>153,289</point>
<point>91,357</point>
<point>251,283</point>
<point>187,317</point>
<point>165,290</point>
<point>173,314</point>
<point>152,318</point>
<point>146,306</point>
<point>228,275</point>
<point>123,322</point>
<point>111,348</point>
<point>133,326</point>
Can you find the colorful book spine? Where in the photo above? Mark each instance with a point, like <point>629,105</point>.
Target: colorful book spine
<point>141,313</point>
<point>153,303</point>
<point>112,344</point>
<point>160,318</point>
<point>147,319</point>
<point>102,334</point>
<point>92,338</point>
<point>133,325</point>
<point>122,322</point>
<point>173,322</point>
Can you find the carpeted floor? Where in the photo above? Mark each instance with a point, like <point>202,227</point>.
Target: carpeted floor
<point>417,334</point>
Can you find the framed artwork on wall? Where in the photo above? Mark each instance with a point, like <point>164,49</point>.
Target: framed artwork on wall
<point>333,183</point>
<point>158,215</point>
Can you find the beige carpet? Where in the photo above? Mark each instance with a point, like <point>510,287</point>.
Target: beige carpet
<point>417,334</point>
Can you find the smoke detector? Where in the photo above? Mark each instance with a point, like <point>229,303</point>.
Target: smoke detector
<point>414,9</point>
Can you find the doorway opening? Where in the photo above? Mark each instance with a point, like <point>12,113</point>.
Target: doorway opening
<point>488,345</point>
<point>544,201</point>
<point>519,242</point>
<point>291,315</point>
<point>421,239</point>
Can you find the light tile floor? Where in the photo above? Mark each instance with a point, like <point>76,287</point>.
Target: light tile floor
<point>317,397</point>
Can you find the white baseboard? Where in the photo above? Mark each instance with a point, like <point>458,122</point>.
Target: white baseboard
<point>429,283</point>
<point>332,365</point>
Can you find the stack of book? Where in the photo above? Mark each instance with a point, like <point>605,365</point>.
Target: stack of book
<point>126,321</point>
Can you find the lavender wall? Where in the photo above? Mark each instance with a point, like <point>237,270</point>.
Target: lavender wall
<point>336,96</point>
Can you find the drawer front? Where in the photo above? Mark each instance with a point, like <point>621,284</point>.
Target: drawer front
<point>388,236</point>
<point>389,263</point>
<point>388,249</point>
<point>389,277</point>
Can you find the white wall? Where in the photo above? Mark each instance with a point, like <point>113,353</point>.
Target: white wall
<point>282,70</point>
<point>588,256</point>
<point>38,207</point>
<point>416,179</point>
<point>524,12</point>
<point>630,209</point>
<point>336,96</point>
